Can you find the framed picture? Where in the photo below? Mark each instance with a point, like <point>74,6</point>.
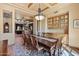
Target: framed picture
<point>76,23</point>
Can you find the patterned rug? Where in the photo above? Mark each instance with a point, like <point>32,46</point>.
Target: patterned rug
<point>19,50</point>
<point>22,51</point>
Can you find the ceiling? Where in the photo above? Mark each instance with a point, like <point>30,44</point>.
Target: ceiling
<point>30,9</point>
<point>35,6</point>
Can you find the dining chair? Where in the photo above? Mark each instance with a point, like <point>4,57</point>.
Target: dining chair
<point>59,46</point>
<point>26,39</point>
<point>35,44</point>
<point>52,49</point>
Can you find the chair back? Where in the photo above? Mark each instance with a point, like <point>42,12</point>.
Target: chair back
<point>34,41</point>
<point>59,44</point>
<point>26,38</point>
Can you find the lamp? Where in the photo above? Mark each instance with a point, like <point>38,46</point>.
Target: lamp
<point>40,15</point>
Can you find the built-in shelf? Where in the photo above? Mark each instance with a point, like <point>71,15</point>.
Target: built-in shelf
<point>57,22</point>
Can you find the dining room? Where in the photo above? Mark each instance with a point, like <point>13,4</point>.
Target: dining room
<point>39,29</point>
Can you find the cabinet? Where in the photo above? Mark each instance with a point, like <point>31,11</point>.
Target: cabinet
<point>60,21</point>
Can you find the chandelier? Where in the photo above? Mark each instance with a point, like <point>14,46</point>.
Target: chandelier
<point>40,15</point>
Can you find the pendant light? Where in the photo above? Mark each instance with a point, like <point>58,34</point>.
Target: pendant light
<point>40,15</point>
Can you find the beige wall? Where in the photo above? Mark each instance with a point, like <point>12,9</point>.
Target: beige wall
<point>9,8</point>
<point>73,32</point>
<point>34,27</point>
<point>1,21</point>
<point>9,36</point>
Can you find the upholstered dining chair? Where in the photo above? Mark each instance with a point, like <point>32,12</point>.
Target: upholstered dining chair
<point>26,39</point>
<point>59,45</point>
<point>52,49</point>
<point>35,44</point>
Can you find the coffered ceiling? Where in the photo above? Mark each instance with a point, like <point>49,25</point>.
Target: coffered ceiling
<point>31,9</point>
<point>35,6</point>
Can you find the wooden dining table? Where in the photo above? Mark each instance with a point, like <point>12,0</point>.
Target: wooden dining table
<point>47,42</point>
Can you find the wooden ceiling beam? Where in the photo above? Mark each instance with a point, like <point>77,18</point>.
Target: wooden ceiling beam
<point>29,5</point>
<point>28,11</point>
<point>50,6</point>
<point>45,9</point>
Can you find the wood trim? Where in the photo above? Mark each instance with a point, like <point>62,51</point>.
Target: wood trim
<point>23,9</point>
<point>68,51</point>
<point>5,48</point>
<point>29,5</point>
<point>59,15</point>
<point>73,48</point>
<point>52,4</point>
<point>45,9</point>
